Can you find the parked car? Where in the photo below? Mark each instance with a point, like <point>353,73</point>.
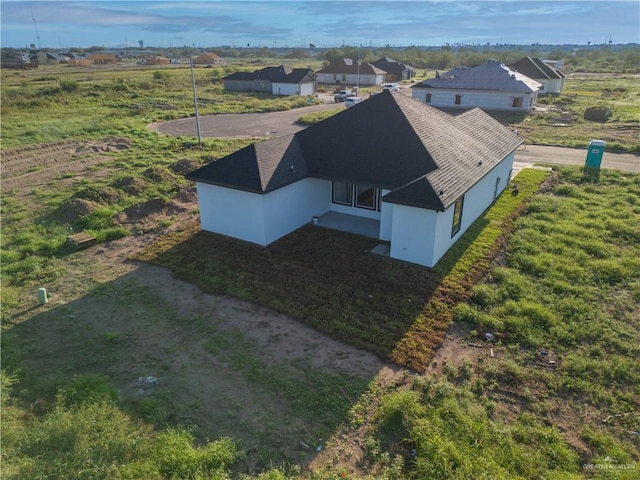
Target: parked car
<point>351,101</point>
<point>391,86</point>
<point>342,95</point>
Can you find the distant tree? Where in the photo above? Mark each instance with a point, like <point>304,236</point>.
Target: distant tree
<point>333,55</point>
<point>297,53</point>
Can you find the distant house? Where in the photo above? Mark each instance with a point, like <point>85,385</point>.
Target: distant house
<point>103,58</point>
<point>43,57</point>
<point>396,71</point>
<point>491,86</point>
<point>404,172</point>
<point>347,72</point>
<point>282,80</point>
<point>76,59</point>
<point>157,60</point>
<point>551,78</point>
<point>208,58</point>
<point>17,60</point>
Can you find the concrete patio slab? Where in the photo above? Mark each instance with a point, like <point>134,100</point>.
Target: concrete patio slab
<point>351,224</point>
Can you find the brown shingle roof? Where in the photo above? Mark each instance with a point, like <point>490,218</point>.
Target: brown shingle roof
<point>425,157</point>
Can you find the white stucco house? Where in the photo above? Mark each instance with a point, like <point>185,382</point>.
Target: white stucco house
<point>282,80</point>
<point>420,175</point>
<point>491,86</point>
<point>348,72</point>
<point>551,79</point>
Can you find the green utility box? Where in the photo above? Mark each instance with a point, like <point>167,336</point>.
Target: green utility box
<point>594,153</point>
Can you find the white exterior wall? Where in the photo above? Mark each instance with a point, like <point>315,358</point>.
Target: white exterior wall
<point>307,89</point>
<point>475,98</point>
<point>257,218</point>
<point>413,235</point>
<point>386,218</point>
<point>293,206</point>
<point>231,212</point>
<point>476,201</point>
<point>417,235</point>
<point>553,85</point>
<point>424,236</point>
<point>292,89</point>
<point>350,79</point>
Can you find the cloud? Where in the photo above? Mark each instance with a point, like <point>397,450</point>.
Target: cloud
<point>328,23</point>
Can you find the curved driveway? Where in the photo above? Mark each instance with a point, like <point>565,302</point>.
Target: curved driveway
<point>276,124</point>
<point>243,125</point>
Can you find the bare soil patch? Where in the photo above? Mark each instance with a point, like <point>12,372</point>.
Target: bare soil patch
<point>35,165</point>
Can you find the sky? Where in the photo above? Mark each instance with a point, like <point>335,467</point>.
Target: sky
<point>325,24</point>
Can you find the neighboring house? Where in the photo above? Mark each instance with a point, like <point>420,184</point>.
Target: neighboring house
<point>491,86</point>
<point>76,59</point>
<point>157,60</point>
<point>103,58</point>
<point>552,80</point>
<point>281,80</point>
<point>349,72</point>
<point>420,176</point>
<point>396,71</point>
<point>208,58</point>
<point>42,57</point>
<point>17,60</point>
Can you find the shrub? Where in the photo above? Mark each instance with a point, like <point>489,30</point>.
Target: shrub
<point>466,313</point>
<point>88,388</point>
<point>161,75</point>
<point>69,86</point>
<point>99,219</point>
<point>484,295</point>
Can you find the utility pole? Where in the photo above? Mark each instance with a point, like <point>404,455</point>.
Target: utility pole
<point>195,99</point>
<point>358,73</point>
<point>36,27</point>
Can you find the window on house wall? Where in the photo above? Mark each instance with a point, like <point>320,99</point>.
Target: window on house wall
<point>344,78</point>
<point>366,197</point>
<point>458,100</point>
<point>457,216</point>
<point>517,102</point>
<point>342,193</point>
<point>427,98</point>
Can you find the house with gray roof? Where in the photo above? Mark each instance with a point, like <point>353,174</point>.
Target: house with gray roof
<point>282,80</point>
<point>44,57</point>
<point>552,79</point>
<point>347,71</point>
<point>490,86</point>
<point>396,71</point>
<point>16,60</point>
<point>416,176</point>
